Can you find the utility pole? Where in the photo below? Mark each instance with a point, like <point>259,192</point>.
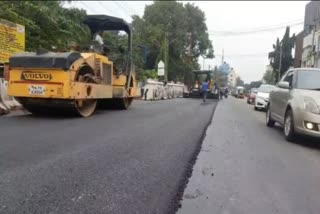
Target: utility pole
<point>222,57</point>
<point>313,41</point>
<point>280,61</point>
<point>166,54</point>
<point>203,62</point>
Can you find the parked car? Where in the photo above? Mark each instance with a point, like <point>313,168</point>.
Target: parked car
<point>262,97</point>
<point>295,103</point>
<point>252,95</point>
<point>234,92</point>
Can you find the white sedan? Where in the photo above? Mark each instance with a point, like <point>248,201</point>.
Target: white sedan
<point>262,97</point>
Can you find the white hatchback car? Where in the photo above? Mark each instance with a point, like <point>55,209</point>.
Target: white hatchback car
<point>262,97</point>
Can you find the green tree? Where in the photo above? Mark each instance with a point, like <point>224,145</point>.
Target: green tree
<point>47,23</point>
<point>282,49</point>
<point>169,27</point>
<point>268,76</point>
<point>239,82</point>
<point>255,84</point>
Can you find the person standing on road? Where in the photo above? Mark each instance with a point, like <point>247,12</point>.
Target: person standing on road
<point>205,88</point>
<point>226,92</point>
<point>221,91</point>
<point>216,89</point>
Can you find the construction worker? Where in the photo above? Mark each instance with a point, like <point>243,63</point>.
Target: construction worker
<point>98,46</point>
<point>98,37</point>
<point>205,88</point>
<point>73,46</point>
<point>221,91</point>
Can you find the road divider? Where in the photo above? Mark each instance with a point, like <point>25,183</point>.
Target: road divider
<point>155,90</point>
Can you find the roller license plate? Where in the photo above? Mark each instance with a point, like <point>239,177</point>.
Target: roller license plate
<point>37,90</point>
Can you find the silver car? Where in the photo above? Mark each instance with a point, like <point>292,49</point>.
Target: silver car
<point>295,103</point>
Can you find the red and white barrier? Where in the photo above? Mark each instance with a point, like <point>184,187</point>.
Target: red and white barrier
<point>7,103</point>
<point>155,90</point>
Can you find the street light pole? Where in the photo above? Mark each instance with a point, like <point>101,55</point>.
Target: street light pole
<point>280,61</point>
<point>203,63</point>
<point>166,57</point>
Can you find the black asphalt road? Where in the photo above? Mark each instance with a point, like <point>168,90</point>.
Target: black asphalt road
<point>247,168</point>
<point>113,162</point>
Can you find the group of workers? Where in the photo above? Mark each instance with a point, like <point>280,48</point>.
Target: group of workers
<point>221,91</point>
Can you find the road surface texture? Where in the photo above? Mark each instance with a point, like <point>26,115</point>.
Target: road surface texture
<point>132,161</point>
<point>245,167</point>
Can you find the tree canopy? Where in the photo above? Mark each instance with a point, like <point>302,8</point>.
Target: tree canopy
<point>239,82</point>
<point>268,76</point>
<point>48,24</point>
<point>169,27</point>
<point>170,31</point>
<point>282,50</point>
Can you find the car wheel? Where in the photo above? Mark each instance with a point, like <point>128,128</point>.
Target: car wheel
<point>255,108</point>
<point>270,122</point>
<point>289,132</point>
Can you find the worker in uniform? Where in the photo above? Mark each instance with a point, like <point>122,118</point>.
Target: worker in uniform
<point>98,37</point>
<point>73,46</point>
<point>99,46</point>
<point>221,92</point>
<point>205,88</point>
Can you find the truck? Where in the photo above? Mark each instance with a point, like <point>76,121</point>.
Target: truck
<point>75,82</point>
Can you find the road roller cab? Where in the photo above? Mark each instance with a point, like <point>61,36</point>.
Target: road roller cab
<point>74,82</point>
<point>199,77</point>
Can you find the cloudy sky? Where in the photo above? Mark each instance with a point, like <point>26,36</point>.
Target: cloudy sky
<point>245,30</point>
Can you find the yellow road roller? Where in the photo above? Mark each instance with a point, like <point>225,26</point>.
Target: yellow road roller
<point>74,82</point>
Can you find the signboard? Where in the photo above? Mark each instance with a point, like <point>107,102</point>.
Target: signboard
<point>12,39</point>
<point>160,68</point>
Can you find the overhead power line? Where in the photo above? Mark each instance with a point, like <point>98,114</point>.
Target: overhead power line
<point>132,9</point>
<point>273,26</point>
<point>244,55</point>
<point>86,6</point>
<point>126,7</point>
<point>123,9</point>
<point>266,29</point>
<point>107,9</point>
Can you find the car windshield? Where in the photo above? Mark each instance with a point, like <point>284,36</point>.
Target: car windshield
<point>266,88</point>
<point>308,79</point>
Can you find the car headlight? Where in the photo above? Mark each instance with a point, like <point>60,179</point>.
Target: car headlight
<point>310,105</point>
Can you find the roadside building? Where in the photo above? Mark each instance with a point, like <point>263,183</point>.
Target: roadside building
<point>232,78</point>
<point>298,50</point>
<point>311,39</point>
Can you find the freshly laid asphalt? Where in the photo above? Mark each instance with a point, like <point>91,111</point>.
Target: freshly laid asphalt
<point>245,167</point>
<point>133,161</point>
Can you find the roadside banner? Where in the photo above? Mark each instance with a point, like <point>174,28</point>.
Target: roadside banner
<point>12,39</point>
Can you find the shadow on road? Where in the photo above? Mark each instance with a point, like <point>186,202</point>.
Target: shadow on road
<point>43,117</point>
<point>208,102</point>
<point>309,142</point>
<point>304,141</point>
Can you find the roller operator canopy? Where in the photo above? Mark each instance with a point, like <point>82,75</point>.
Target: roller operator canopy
<point>104,22</point>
